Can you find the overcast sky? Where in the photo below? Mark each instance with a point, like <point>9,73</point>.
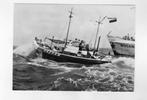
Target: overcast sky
<point>41,20</point>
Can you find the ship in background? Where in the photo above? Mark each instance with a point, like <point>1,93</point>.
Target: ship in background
<point>124,46</point>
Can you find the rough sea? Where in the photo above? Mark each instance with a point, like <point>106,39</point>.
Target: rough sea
<point>36,73</point>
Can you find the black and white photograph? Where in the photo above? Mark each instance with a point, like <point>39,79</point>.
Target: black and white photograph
<point>74,47</point>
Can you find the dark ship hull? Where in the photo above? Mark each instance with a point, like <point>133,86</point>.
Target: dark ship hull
<point>58,56</point>
<point>62,57</point>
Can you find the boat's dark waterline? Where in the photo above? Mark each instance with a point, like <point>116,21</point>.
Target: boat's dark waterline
<point>60,57</point>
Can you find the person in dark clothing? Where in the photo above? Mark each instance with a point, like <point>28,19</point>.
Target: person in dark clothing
<point>88,53</point>
<point>87,47</point>
<point>80,46</point>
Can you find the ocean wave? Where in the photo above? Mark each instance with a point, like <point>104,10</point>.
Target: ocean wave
<point>124,62</point>
<point>26,50</point>
<point>42,74</point>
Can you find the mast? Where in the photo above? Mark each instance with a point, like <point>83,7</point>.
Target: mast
<point>98,22</point>
<point>98,43</point>
<point>70,16</point>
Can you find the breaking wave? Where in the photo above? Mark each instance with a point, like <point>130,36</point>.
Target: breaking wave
<point>25,50</point>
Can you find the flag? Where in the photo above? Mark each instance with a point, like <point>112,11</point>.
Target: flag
<point>111,20</point>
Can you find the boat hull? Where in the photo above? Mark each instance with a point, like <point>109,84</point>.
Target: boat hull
<point>123,48</point>
<point>61,57</point>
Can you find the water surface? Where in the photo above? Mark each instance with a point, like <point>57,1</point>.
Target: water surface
<point>43,74</point>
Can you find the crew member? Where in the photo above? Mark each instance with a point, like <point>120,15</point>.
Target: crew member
<point>88,53</point>
<point>81,46</point>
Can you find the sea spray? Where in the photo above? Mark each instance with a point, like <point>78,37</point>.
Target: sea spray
<point>25,50</point>
<point>124,61</point>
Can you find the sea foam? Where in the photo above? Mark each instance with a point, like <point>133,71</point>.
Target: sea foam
<point>25,50</point>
